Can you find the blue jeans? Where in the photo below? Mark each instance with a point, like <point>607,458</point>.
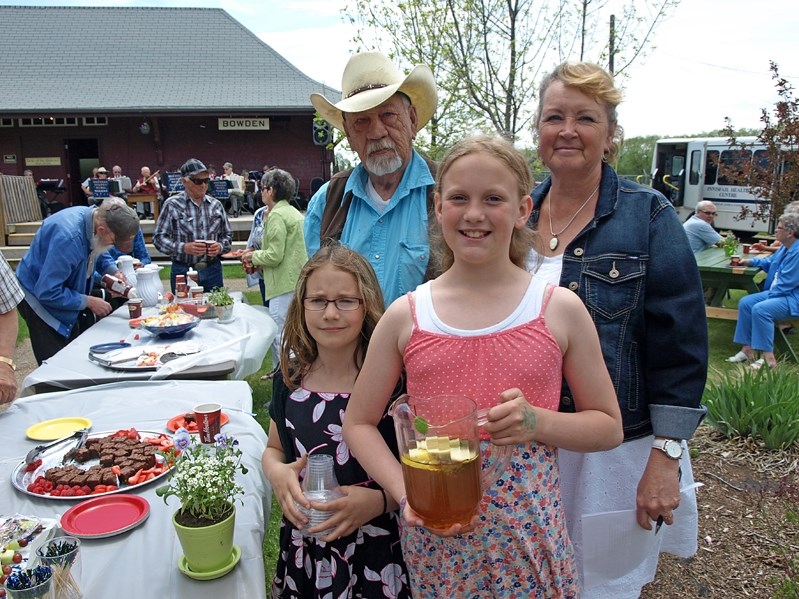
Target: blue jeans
<point>262,287</point>
<point>210,277</point>
<point>756,316</point>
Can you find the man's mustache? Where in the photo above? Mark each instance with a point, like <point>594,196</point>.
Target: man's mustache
<point>376,146</point>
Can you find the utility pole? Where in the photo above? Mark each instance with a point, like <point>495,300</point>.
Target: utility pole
<point>612,44</point>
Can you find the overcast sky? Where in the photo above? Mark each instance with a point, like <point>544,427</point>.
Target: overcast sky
<point>711,58</point>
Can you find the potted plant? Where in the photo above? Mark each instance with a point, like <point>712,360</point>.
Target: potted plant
<point>222,302</point>
<point>204,480</point>
<point>729,242</point>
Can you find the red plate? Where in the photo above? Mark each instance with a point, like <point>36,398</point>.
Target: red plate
<point>234,255</point>
<point>105,516</point>
<point>176,422</point>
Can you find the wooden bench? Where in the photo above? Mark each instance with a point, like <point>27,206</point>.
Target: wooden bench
<point>781,340</point>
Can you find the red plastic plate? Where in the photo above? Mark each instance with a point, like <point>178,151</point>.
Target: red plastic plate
<point>105,516</point>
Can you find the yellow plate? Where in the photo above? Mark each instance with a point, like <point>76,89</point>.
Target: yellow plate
<point>50,430</point>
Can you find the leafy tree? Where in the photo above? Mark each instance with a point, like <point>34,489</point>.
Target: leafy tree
<point>777,178</point>
<point>635,157</point>
<point>488,55</point>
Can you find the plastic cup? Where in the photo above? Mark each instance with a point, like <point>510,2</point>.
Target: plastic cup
<point>735,260</point>
<point>134,307</point>
<point>209,420</point>
<point>66,566</point>
<point>40,590</point>
<point>747,247</point>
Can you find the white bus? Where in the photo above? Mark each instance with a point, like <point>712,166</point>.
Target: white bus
<point>686,170</point>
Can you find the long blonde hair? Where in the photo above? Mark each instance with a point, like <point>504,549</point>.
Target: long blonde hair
<point>522,239</point>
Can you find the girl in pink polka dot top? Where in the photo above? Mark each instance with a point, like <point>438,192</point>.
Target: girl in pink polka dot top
<point>489,330</point>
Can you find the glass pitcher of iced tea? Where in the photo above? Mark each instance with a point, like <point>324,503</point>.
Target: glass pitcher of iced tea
<point>439,448</point>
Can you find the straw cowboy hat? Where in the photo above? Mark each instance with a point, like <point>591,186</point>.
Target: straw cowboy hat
<point>369,80</point>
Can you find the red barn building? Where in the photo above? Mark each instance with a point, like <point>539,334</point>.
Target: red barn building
<point>82,87</point>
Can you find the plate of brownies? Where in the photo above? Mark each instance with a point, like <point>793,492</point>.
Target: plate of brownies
<point>109,462</point>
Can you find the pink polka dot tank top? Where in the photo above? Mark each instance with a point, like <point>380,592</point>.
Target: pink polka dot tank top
<point>518,352</point>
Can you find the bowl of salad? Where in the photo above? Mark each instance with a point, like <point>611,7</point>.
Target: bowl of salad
<point>172,325</point>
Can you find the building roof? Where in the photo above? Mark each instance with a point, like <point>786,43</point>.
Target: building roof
<point>129,60</point>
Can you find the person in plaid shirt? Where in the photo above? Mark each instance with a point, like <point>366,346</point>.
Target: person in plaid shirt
<point>11,294</point>
<point>193,228</point>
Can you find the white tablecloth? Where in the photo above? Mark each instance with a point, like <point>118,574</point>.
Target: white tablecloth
<point>244,341</point>
<point>143,562</point>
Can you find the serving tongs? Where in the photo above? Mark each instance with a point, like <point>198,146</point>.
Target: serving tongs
<point>34,453</point>
<point>116,356</point>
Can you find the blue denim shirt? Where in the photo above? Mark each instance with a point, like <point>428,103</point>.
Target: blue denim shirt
<point>634,270</point>
<point>394,241</point>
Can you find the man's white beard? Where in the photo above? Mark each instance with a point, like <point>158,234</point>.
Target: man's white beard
<point>382,165</point>
<point>97,245</point>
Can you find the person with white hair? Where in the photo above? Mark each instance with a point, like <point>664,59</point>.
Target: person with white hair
<point>381,207</point>
<point>56,271</point>
<point>699,228</point>
<point>757,312</point>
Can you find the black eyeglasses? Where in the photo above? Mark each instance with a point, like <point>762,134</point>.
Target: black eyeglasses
<point>710,213</point>
<point>345,304</point>
<point>199,181</point>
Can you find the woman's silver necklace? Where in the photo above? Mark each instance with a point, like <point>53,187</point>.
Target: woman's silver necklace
<point>553,243</point>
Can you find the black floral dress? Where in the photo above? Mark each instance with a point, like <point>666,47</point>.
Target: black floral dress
<point>368,562</point>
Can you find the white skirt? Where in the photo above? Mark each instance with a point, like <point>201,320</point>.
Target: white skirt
<point>607,481</point>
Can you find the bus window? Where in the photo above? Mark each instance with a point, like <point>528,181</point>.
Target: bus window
<point>733,163</point>
<point>696,158</point>
<point>711,167</point>
<point>677,165</point>
<point>761,164</point>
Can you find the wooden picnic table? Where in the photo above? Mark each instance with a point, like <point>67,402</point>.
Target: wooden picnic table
<point>716,272</point>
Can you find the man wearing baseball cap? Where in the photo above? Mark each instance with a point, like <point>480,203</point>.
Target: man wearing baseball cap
<point>193,228</point>
<point>380,208</point>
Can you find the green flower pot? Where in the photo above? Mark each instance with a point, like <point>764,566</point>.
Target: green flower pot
<point>729,250</point>
<point>207,548</point>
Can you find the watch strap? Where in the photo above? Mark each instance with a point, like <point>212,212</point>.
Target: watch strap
<point>661,444</point>
<point>8,361</point>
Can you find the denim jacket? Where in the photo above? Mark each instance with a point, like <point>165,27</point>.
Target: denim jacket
<point>634,270</point>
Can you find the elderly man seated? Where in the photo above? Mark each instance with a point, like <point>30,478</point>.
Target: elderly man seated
<point>701,234</point>
<point>758,312</point>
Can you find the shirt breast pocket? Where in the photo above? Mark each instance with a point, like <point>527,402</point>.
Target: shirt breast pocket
<point>614,286</point>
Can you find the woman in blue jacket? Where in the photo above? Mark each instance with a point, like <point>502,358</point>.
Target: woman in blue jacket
<point>757,312</point>
<point>621,248</point>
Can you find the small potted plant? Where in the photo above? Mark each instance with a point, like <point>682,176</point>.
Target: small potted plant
<point>222,302</point>
<point>204,481</point>
<point>729,242</point>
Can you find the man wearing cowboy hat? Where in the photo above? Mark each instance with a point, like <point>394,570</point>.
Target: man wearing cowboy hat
<point>380,112</point>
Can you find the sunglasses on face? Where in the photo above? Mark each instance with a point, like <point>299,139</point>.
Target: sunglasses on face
<point>199,181</point>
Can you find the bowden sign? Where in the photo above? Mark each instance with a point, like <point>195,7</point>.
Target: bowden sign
<point>244,123</point>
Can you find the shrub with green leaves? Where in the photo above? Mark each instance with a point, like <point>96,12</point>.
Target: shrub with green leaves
<point>761,404</point>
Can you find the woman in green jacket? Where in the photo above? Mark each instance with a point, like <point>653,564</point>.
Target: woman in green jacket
<point>282,252</point>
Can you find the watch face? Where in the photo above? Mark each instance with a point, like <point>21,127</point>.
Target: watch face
<point>673,450</point>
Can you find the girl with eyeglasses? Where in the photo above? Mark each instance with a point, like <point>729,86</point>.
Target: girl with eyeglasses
<point>335,307</point>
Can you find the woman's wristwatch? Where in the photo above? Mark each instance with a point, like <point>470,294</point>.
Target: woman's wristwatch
<point>8,361</point>
<point>671,447</point>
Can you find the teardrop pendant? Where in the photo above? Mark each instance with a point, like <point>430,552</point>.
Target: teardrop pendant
<point>553,243</point>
